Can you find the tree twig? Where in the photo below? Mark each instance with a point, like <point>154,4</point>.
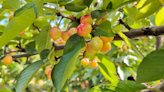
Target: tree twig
<point>121,22</point>
<point>36,27</point>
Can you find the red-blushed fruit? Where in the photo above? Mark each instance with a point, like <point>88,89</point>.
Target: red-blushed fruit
<point>85,61</point>
<point>106,47</point>
<point>93,64</point>
<point>86,19</point>
<point>86,82</point>
<point>84,29</point>
<point>22,33</point>
<point>96,43</point>
<point>106,39</point>
<point>49,75</point>
<point>60,41</point>
<point>72,31</point>
<point>64,35</point>
<point>7,60</point>
<point>11,16</point>
<point>48,68</point>
<point>82,85</point>
<point>89,49</point>
<point>55,33</point>
<point>102,20</point>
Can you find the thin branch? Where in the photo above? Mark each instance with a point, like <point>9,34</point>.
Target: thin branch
<point>121,22</point>
<point>19,56</point>
<point>72,19</point>
<point>36,27</point>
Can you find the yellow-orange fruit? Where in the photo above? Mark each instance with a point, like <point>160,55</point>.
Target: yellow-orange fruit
<point>96,43</point>
<point>84,29</point>
<point>106,47</point>
<point>49,75</point>
<point>60,41</point>
<point>48,68</point>
<point>63,7</point>
<point>22,33</point>
<point>86,19</point>
<point>72,31</point>
<point>120,50</point>
<point>102,20</point>
<point>12,53</point>
<point>93,64</point>
<point>7,60</point>
<point>64,35</point>
<point>85,61</point>
<point>11,16</point>
<point>89,49</point>
<point>55,33</point>
<point>106,39</point>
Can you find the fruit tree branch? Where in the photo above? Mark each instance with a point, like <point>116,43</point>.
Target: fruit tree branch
<point>133,33</point>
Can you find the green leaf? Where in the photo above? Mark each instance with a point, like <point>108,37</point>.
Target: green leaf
<point>129,86</point>
<point>66,65</point>
<point>87,2</point>
<point>73,24</point>
<point>159,19</point>
<point>29,5</point>
<point>11,4</point>
<point>75,7</point>
<point>18,24</point>
<point>96,13</point>
<point>26,75</point>
<point>43,40</point>
<point>109,7</point>
<point>30,48</point>
<point>44,54</point>
<point>70,43</point>
<point>151,68</point>
<point>104,29</point>
<point>131,44</point>
<point>148,8</point>
<point>126,71</point>
<point>105,4</point>
<point>116,3</point>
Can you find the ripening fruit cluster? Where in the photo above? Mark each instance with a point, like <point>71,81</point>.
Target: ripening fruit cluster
<point>48,71</point>
<point>97,43</point>
<point>85,62</point>
<point>7,60</point>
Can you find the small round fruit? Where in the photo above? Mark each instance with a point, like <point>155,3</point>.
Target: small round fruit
<point>64,35</point>
<point>96,43</point>
<point>106,47</point>
<point>72,31</point>
<point>86,19</point>
<point>84,29</point>
<point>60,41</point>
<point>102,20</point>
<point>93,64</point>
<point>22,33</point>
<point>120,50</point>
<point>55,33</point>
<point>12,53</point>
<point>106,39</point>
<point>48,68</point>
<point>89,49</point>
<point>62,7</point>
<point>49,75</point>
<point>85,61</point>
<point>7,60</point>
<point>34,32</point>
<point>11,16</point>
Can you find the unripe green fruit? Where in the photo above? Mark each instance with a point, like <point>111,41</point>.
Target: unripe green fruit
<point>96,43</point>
